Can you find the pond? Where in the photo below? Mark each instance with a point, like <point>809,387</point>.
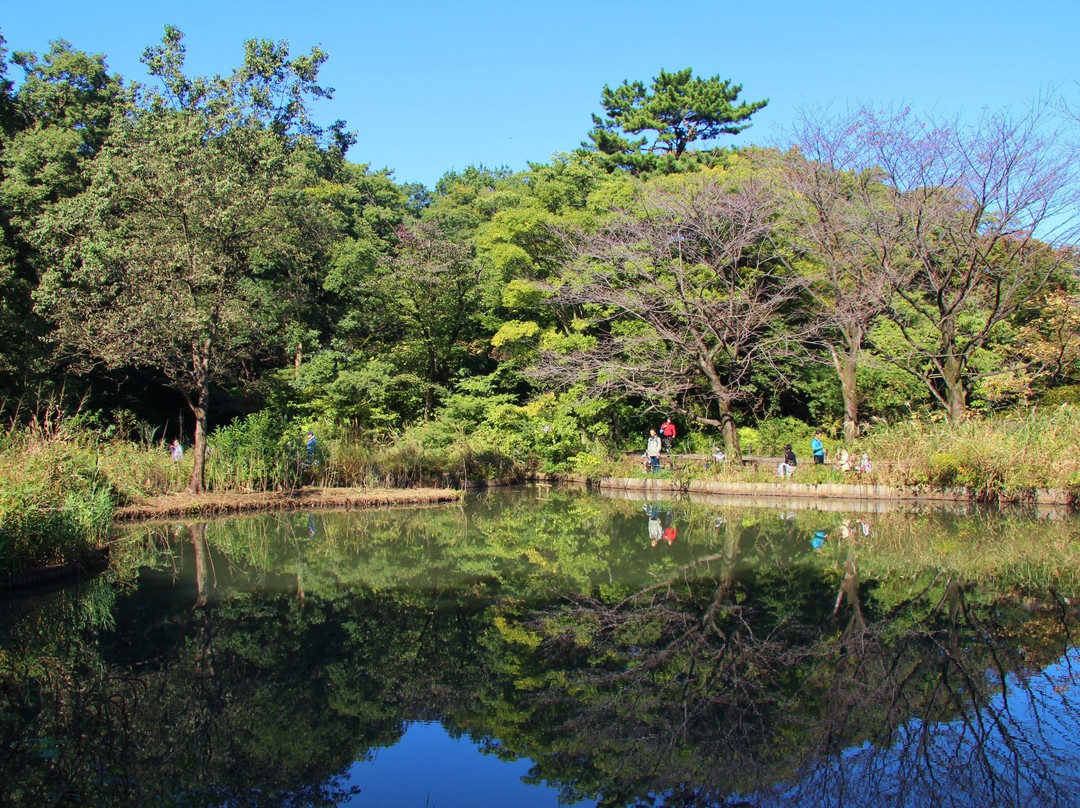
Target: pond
<point>551,646</point>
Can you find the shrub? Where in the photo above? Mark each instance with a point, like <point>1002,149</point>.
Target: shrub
<point>774,433</point>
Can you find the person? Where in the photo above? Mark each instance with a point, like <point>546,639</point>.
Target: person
<point>817,448</point>
<point>718,456</point>
<point>667,432</point>
<point>670,531</point>
<point>653,449</point>
<point>656,530</point>
<point>843,461</point>
<point>864,464</point>
<point>311,445</point>
<point>670,534</point>
<point>176,451</point>
<point>787,465</point>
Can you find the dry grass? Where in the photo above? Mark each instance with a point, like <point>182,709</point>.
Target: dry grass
<point>216,503</point>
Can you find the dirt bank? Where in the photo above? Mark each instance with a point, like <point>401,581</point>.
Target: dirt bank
<point>168,506</point>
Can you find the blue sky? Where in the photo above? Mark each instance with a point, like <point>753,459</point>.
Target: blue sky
<point>430,87</point>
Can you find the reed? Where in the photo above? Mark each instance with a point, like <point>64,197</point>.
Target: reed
<point>1004,457</point>
<point>55,500</point>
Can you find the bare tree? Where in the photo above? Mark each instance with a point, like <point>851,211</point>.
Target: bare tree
<point>965,222</point>
<point>829,212</point>
<point>687,294</point>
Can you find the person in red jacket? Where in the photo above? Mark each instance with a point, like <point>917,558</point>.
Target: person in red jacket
<point>667,432</point>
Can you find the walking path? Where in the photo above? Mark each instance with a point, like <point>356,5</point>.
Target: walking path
<point>168,506</point>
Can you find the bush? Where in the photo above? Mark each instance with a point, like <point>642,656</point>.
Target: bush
<point>774,433</point>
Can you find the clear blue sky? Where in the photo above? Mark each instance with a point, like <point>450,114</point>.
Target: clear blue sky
<point>436,86</point>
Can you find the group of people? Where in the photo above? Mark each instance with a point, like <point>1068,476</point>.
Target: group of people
<point>817,451</point>
<point>661,439</point>
<point>660,442</point>
<point>848,530</point>
<point>657,531</point>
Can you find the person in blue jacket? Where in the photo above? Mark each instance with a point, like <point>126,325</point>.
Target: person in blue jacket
<point>817,448</point>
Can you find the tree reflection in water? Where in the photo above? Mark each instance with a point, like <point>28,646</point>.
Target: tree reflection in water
<point>766,657</point>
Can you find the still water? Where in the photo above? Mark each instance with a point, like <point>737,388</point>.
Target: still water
<point>555,647</point>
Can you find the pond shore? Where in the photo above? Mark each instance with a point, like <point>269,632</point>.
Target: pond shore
<point>790,489</point>
<point>213,503</point>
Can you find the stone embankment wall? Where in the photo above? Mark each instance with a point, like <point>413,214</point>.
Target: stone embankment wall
<point>790,490</point>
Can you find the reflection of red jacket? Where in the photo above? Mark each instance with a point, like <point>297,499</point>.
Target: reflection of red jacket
<point>667,429</point>
<point>669,534</point>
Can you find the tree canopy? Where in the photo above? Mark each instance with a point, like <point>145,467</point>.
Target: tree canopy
<point>208,231</point>
<point>195,215</point>
<point>679,108</point>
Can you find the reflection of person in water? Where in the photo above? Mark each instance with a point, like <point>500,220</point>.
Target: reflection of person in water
<point>670,531</point>
<point>818,541</point>
<point>311,525</point>
<point>656,530</point>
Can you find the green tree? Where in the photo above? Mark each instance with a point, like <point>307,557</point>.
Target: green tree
<point>431,288</point>
<point>680,108</point>
<point>194,221</point>
<point>50,131</point>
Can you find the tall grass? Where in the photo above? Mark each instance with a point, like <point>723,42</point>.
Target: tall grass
<point>55,499</point>
<point>1005,457</point>
<point>256,453</point>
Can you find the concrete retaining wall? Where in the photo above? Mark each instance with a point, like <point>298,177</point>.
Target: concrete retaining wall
<point>789,490</point>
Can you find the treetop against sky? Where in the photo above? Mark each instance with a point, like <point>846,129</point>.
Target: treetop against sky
<point>430,87</point>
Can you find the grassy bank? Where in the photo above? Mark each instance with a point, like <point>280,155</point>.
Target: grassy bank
<point>63,479</point>
<point>56,497</point>
<point>990,460</point>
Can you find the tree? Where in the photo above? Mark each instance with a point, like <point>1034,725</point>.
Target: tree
<point>680,108</point>
<point>431,288</point>
<point>686,295</point>
<point>50,131</point>
<point>965,223</point>
<point>829,212</point>
<point>194,220</point>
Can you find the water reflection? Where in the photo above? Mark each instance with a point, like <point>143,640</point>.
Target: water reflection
<point>908,658</point>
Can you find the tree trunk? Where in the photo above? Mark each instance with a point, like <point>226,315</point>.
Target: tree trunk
<point>729,431</point>
<point>198,474</point>
<point>952,375</point>
<point>846,365</point>
<point>950,365</point>
<point>202,574</point>
<point>200,407</point>
<point>429,390</point>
